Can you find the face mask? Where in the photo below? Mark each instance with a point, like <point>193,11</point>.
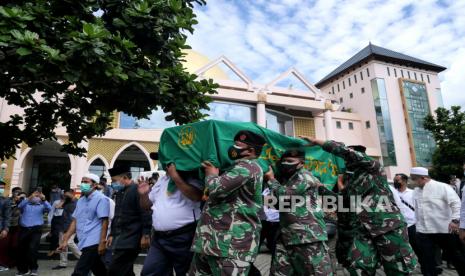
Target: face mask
<point>85,188</point>
<point>117,186</point>
<point>397,184</point>
<point>234,152</point>
<point>36,200</point>
<point>287,169</point>
<point>2,191</point>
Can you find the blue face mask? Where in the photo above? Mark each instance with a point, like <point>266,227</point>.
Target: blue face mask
<point>36,200</point>
<point>85,188</point>
<point>117,186</point>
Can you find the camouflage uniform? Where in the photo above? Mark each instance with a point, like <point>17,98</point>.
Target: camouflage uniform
<point>228,233</point>
<point>373,236</point>
<point>301,248</point>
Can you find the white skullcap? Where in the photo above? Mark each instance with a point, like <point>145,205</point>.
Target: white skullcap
<point>419,171</point>
<point>92,177</point>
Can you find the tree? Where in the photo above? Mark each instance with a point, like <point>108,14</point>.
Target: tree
<point>448,129</point>
<point>72,63</point>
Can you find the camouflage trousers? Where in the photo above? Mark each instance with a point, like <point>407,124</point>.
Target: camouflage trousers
<point>210,265</point>
<point>302,259</point>
<point>392,250</point>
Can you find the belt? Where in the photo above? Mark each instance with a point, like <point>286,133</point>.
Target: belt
<point>186,228</point>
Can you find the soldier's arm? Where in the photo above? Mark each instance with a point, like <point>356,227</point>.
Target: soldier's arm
<point>220,187</point>
<point>298,187</point>
<point>350,156</point>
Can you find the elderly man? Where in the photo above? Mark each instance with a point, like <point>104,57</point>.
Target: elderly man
<point>437,210</point>
<point>90,222</point>
<point>227,236</point>
<point>131,225</point>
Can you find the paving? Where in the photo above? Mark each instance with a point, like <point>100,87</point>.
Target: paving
<point>262,263</point>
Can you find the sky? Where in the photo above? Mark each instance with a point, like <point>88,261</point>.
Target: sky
<point>264,38</point>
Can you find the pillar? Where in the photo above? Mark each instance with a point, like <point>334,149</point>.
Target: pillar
<point>329,121</point>
<point>78,167</point>
<point>261,111</point>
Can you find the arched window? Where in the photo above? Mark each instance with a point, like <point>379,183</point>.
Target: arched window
<point>97,167</point>
<point>135,159</point>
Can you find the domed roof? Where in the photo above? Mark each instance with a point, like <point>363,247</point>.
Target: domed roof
<point>195,61</point>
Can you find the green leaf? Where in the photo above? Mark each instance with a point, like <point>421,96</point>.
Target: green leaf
<point>23,51</point>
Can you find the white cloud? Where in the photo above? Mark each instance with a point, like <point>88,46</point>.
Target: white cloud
<point>266,37</point>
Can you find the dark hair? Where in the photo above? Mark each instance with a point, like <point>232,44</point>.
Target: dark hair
<point>127,174</point>
<point>403,176</point>
<point>15,189</point>
<point>69,191</point>
<point>2,183</point>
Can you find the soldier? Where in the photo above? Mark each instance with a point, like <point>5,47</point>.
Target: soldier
<point>301,247</point>
<point>227,236</point>
<point>379,235</point>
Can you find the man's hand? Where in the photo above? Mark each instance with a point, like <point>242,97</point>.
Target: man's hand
<point>171,170</point>
<point>42,196</point>
<point>143,186</point>
<point>453,228</point>
<point>210,169</point>
<point>145,242</point>
<point>462,234</point>
<point>63,246</point>
<point>102,247</point>
<point>312,141</point>
<point>109,241</point>
<point>269,175</point>
<point>3,234</point>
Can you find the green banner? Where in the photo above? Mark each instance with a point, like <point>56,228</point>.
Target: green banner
<point>188,145</point>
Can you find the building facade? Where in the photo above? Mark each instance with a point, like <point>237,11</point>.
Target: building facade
<point>393,93</point>
<point>289,104</point>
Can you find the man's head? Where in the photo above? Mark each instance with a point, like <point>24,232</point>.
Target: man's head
<point>89,183</point>
<point>16,190</point>
<point>155,177</point>
<point>103,180</point>
<point>291,161</point>
<point>400,181</point>
<point>247,144</point>
<point>69,194</point>
<point>120,177</point>
<point>419,176</point>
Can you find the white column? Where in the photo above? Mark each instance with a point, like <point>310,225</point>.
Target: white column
<point>17,169</point>
<point>78,167</point>
<point>329,124</point>
<point>261,111</point>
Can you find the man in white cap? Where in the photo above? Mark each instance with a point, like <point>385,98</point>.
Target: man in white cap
<point>437,210</point>
<point>90,222</point>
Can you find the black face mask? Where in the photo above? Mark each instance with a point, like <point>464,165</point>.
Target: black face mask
<point>288,169</point>
<point>397,184</point>
<point>234,152</point>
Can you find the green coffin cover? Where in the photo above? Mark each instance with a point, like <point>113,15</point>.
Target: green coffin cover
<point>190,144</point>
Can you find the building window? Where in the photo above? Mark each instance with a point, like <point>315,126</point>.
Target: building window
<point>340,100</point>
<point>361,75</point>
<point>395,72</point>
<point>439,100</point>
<point>408,74</point>
<point>368,73</point>
<point>355,78</point>
<point>338,124</point>
<point>156,120</point>
<point>280,122</point>
<point>367,124</point>
<point>402,73</point>
<point>417,107</point>
<point>231,112</point>
<point>351,125</point>
<point>415,75</point>
<point>349,81</point>
<point>351,95</point>
<point>383,120</point>
<point>343,85</point>
<point>422,79</point>
<point>338,88</point>
<point>363,90</point>
<point>332,89</point>
<point>427,77</point>
<point>388,71</point>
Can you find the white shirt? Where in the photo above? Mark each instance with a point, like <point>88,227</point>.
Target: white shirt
<point>173,211</point>
<point>436,205</point>
<point>112,213</point>
<point>406,197</point>
<point>462,214</point>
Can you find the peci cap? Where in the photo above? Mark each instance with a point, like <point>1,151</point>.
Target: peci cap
<point>419,171</point>
<point>118,170</point>
<point>250,138</point>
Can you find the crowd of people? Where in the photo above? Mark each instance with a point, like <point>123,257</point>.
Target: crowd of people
<point>215,224</point>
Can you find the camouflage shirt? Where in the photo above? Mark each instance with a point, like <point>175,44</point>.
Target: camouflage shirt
<point>304,222</point>
<point>368,181</point>
<point>229,226</point>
